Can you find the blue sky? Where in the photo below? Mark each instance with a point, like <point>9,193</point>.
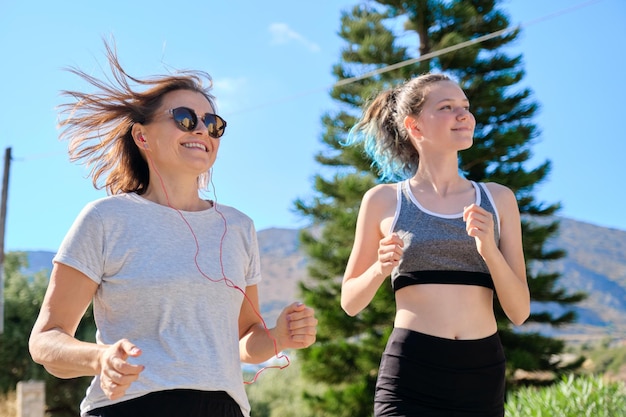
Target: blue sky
<point>271,63</point>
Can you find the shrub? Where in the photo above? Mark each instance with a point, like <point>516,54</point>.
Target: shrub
<point>573,396</point>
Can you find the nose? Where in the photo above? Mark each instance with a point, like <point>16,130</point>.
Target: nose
<point>200,128</point>
<point>463,113</point>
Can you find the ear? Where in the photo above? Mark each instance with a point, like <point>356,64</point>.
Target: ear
<point>411,124</point>
<point>139,137</point>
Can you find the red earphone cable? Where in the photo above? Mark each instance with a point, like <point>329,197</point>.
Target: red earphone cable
<point>224,279</point>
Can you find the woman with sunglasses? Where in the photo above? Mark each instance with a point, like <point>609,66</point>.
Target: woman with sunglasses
<point>448,243</point>
<point>173,277</point>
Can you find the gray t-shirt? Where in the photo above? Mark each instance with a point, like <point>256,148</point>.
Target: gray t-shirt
<point>172,283</point>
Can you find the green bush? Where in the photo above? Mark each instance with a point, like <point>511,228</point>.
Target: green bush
<point>606,357</point>
<point>23,297</point>
<point>573,396</point>
<point>280,393</point>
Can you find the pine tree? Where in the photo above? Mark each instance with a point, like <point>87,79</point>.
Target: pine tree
<point>379,34</point>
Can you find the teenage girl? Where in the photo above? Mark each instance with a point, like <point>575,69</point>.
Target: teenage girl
<point>448,243</point>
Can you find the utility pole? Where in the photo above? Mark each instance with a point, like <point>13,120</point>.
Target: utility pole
<point>3,218</point>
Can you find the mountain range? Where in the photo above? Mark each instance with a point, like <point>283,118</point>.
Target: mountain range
<point>595,264</point>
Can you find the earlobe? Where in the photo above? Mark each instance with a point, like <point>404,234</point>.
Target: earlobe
<point>142,140</point>
<point>139,136</point>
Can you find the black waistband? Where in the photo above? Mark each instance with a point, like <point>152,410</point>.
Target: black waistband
<point>176,402</point>
<point>405,279</point>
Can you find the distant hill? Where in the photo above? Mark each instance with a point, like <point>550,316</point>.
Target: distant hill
<point>595,264</point>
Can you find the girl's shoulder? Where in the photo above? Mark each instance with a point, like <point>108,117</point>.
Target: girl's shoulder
<point>502,195</point>
<point>497,189</point>
<point>382,192</point>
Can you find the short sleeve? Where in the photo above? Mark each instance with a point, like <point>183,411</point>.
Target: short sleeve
<point>253,276</point>
<point>83,246</point>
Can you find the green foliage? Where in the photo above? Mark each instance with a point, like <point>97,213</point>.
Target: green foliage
<point>23,298</point>
<point>605,357</point>
<point>283,394</point>
<point>573,396</point>
<point>611,360</point>
<point>279,393</point>
<point>378,34</point>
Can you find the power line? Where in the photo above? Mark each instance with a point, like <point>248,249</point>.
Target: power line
<point>384,69</point>
<point>424,57</point>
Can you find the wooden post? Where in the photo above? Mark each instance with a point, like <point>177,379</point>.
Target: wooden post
<point>31,399</point>
<point>3,216</point>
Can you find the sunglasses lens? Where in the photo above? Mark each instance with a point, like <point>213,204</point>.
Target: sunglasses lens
<point>215,125</point>
<point>185,118</point>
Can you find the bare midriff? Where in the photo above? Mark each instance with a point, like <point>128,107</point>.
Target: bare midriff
<point>446,310</point>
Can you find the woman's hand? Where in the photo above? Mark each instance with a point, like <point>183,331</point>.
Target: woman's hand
<point>116,374</point>
<point>296,327</point>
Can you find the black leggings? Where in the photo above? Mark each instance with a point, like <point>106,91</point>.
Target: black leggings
<point>428,376</point>
<point>174,403</point>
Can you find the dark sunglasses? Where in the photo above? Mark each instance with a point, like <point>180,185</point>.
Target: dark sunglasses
<point>186,119</point>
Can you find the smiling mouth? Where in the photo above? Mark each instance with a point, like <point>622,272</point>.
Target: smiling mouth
<point>195,145</point>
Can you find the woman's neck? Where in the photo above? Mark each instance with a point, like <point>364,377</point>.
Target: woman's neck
<point>180,198</point>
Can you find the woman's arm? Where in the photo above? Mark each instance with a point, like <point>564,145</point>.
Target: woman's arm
<point>53,345</point>
<point>373,255</point>
<point>506,262</point>
<point>295,329</point>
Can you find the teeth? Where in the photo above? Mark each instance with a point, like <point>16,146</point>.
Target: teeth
<point>195,145</point>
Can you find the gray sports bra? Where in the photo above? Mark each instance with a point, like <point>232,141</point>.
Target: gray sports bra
<point>437,249</point>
